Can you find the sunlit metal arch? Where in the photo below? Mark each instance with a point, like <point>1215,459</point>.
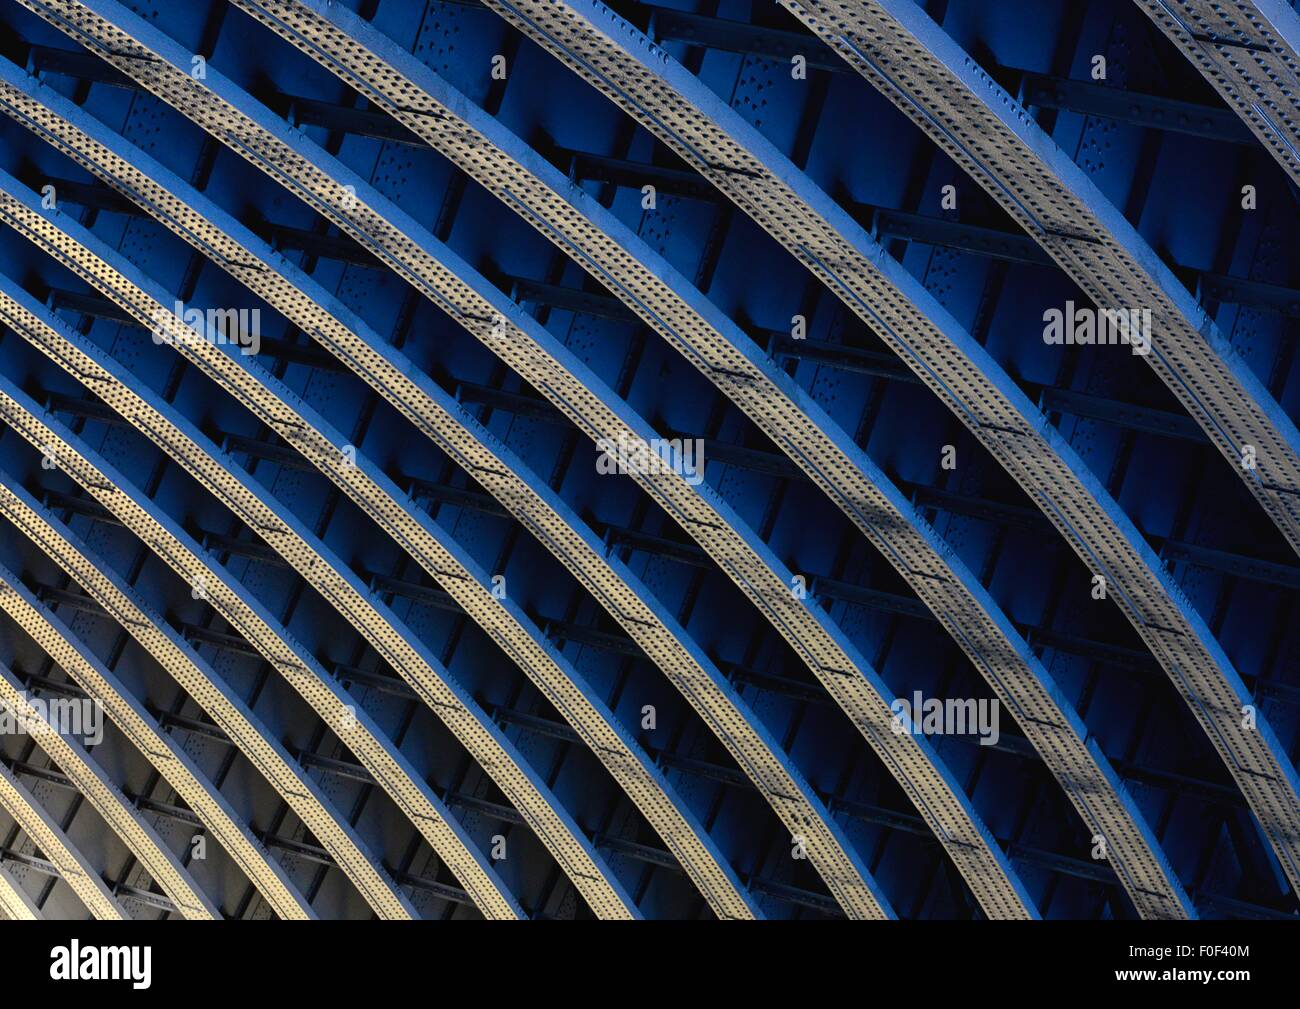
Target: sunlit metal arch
<point>281,409</point>
<point>1249,52</point>
<point>208,690</point>
<point>295,294</point>
<point>388,767</point>
<point>445,119</point>
<point>789,207</point>
<point>15,903</point>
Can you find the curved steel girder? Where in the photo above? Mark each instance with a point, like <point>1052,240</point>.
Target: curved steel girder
<point>175,766</point>
<point>1249,51</point>
<point>895,45</point>
<point>212,232</point>
<point>670,102</point>
<point>15,904</point>
<point>214,696</point>
<point>93,782</point>
<point>49,837</point>
<point>484,312</point>
<point>352,725</point>
<point>666,301</point>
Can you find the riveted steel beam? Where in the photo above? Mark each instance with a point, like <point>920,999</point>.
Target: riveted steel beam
<point>670,103</point>
<point>1126,106</point>
<point>161,423</point>
<point>210,809</point>
<point>211,693</point>
<point>614,58</point>
<point>210,730</point>
<point>649,288</point>
<point>647,84</point>
<point>15,903</point>
<point>963,110</point>
<point>437,552</point>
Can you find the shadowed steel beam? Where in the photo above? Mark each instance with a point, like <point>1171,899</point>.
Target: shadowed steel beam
<point>1126,106</point>
<point>1078,404</point>
<point>674,105</point>
<point>963,110</point>
<point>667,25</point>
<point>90,779</point>
<point>645,283</point>
<point>212,810</point>
<point>1249,51</point>
<point>263,514</point>
<point>212,694</point>
<point>443,568</point>
<point>15,904</point>
<point>49,837</point>
<point>363,122</point>
<point>348,201</point>
<point>1016,247</point>
<point>876,815</point>
<point>282,411</point>
<point>585,166</point>
<point>913,62</point>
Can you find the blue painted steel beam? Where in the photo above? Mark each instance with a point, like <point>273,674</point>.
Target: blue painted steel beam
<point>161,423</point>
<point>1126,106</point>
<point>460,438</point>
<point>663,24</point>
<point>177,768</point>
<point>653,89</point>
<point>883,223</point>
<point>208,690</point>
<point>714,243</point>
<point>307,25</point>
<point>73,865</point>
<point>1051,400</point>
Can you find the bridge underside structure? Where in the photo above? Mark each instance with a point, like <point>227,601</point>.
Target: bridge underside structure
<point>515,459</point>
